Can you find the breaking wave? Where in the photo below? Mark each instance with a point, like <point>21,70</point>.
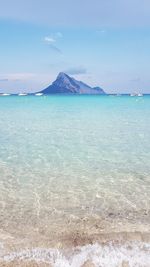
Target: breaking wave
<point>132,254</point>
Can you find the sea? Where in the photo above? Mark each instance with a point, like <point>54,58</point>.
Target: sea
<point>75,181</point>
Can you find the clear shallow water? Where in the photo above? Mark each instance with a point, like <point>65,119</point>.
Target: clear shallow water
<point>73,165</point>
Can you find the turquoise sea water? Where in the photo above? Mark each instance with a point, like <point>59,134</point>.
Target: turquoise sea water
<point>67,162</point>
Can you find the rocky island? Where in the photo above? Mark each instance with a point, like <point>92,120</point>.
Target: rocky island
<point>64,84</point>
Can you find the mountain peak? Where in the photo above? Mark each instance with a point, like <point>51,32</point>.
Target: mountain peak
<point>68,85</point>
<point>61,75</point>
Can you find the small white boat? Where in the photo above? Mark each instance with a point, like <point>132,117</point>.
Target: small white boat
<point>22,94</point>
<point>39,94</point>
<point>140,95</point>
<point>5,94</point>
<point>133,94</point>
<point>136,94</point>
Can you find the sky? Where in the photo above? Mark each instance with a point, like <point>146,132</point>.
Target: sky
<point>104,43</point>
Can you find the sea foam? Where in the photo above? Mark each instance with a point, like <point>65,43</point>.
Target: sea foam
<point>132,254</point>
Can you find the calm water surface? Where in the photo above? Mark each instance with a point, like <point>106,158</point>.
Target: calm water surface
<point>74,166</point>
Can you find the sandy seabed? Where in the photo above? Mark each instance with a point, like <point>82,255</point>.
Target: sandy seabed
<point>80,250</point>
<point>84,242</point>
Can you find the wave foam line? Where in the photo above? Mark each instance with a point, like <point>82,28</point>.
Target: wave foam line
<point>134,254</point>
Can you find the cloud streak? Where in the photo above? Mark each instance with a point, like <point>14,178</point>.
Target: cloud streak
<point>52,39</point>
<point>49,40</point>
<point>135,80</point>
<point>4,80</point>
<point>55,48</point>
<point>76,70</point>
<point>15,77</point>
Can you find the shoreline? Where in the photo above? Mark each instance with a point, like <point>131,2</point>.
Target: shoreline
<point>74,244</point>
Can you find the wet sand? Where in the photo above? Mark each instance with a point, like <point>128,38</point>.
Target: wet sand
<point>68,242</point>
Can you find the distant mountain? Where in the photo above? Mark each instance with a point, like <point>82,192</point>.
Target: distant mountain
<point>64,84</point>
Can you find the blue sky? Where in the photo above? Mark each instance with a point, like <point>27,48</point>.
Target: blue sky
<point>105,43</point>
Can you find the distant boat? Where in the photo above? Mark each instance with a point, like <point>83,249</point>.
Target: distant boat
<point>39,94</point>
<point>140,95</point>
<point>136,94</point>
<point>22,94</point>
<point>133,94</point>
<point>5,94</point>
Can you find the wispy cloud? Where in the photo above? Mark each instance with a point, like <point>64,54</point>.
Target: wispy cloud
<point>137,79</point>
<point>49,40</point>
<point>55,48</point>
<point>101,31</point>
<point>15,77</point>
<point>52,39</point>
<point>76,70</point>
<point>4,80</point>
